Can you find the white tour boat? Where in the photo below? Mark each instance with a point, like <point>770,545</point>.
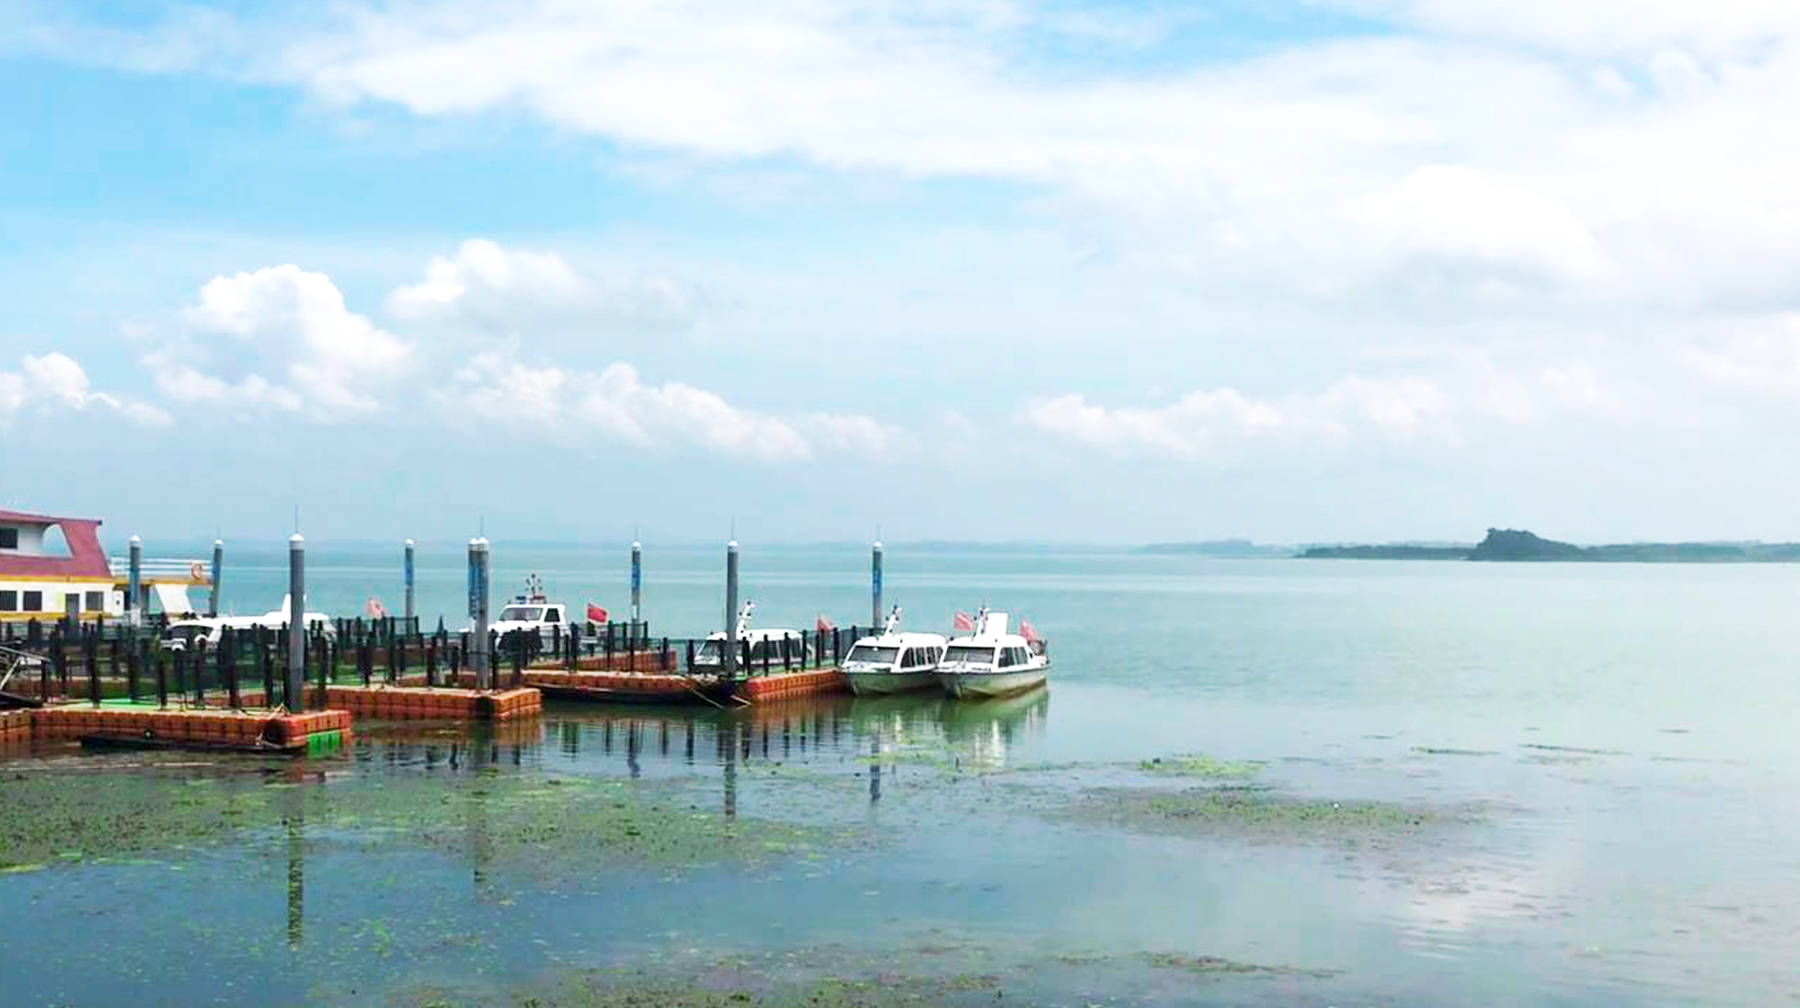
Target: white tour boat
<point>991,662</point>
<point>182,634</point>
<point>530,612</point>
<point>892,662</point>
<point>759,648</point>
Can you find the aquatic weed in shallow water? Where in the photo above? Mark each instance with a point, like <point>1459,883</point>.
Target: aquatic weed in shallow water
<point>1247,812</point>
<point>1198,765</point>
<point>541,823</point>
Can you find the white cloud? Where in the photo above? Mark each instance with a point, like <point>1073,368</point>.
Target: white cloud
<point>616,402</point>
<point>283,338</point>
<point>55,381</point>
<point>1439,409</point>
<point>490,286</point>
<point>1760,355</point>
<point>1199,425</point>
<point>1599,144</point>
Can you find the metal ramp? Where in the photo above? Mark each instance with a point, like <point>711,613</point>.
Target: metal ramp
<point>12,662</point>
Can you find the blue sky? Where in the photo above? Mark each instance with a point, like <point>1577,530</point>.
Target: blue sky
<point>970,268</point>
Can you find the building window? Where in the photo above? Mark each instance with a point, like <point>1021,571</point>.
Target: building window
<point>96,601</point>
<point>34,602</point>
<point>9,601</point>
<point>9,538</point>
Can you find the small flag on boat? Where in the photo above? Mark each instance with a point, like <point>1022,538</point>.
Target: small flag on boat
<point>374,609</point>
<point>596,614</point>
<point>1027,631</point>
<point>963,622</point>
<point>823,625</point>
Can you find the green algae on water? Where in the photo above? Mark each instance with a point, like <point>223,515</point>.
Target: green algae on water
<point>524,819</point>
<point>1199,765</point>
<point>1215,965</point>
<point>1248,812</point>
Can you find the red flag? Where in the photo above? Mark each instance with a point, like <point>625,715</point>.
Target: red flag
<point>596,614</point>
<point>963,622</point>
<point>1027,631</point>
<point>823,625</point>
<point>374,609</point>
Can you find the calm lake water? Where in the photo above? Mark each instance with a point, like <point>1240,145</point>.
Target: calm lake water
<point>1448,783</point>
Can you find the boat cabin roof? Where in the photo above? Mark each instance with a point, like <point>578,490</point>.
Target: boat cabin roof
<point>769,633</point>
<point>1003,640</point>
<point>898,640</point>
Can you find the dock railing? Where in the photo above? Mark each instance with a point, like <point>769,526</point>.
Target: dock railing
<point>102,662</point>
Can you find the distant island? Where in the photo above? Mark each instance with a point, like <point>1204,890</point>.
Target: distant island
<point>1218,548</point>
<point>1518,545</point>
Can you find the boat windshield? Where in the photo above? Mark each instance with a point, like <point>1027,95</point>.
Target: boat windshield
<point>522,613</point>
<point>873,655</point>
<point>709,649</point>
<point>970,655</point>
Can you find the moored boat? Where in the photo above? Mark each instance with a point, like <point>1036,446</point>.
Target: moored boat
<point>757,649</point>
<point>893,662</point>
<point>991,662</point>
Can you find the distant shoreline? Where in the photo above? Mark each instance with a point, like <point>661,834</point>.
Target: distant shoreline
<point>1508,546</point>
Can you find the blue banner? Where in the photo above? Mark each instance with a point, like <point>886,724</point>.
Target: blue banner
<point>477,588</point>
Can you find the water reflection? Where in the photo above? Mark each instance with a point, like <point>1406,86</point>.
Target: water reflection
<point>293,820</point>
<point>983,735</point>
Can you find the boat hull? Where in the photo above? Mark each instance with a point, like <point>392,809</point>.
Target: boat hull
<point>977,685</point>
<point>879,683</point>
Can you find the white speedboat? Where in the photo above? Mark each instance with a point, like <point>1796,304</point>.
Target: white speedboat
<point>893,662</point>
<point>992,662</point>
<point>757,649</point>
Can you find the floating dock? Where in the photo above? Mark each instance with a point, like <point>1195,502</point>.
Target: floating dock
<point>782,685</point>
<point>262,731</point>
<point>404,703</point>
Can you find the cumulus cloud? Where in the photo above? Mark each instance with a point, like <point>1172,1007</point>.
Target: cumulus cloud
<point>1760,355</point>
<point>1211,425</point>
<point>1607,149</point>
<point>617,403</point>
<point>56,381</point>
<point>280,337</point>
<point>486,285</point>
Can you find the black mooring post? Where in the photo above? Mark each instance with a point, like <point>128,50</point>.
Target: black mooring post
<point>518,663</point>
<point>662,656</point>
<point>46,673</point>
<point>112,655</point>
<point>690,654</point>
<point>574,657</point>
<point>228,668</point>
<point>131,672</point>
<point>431,658</point>
<point>181,673</point>
<point>608,664</point>
<point>162,681</point>
<point>365,658</point>
<point>327,658</point>
<point>265,663</point>
<point>90,653</point>
<point>199,674</point>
